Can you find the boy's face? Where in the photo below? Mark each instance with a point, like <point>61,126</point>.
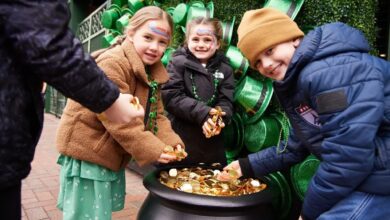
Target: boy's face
<point>150,40</point>
<point>202,42</point>
<point>273,62</point>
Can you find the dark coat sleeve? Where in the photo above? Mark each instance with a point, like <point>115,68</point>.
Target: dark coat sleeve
<point>37,34</point>
<point>175,99</point>
<point>225,93</point>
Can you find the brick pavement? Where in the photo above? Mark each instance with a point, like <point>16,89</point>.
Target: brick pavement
<point>40,188</point>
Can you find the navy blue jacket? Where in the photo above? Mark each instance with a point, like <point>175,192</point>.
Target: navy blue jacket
<point>35,46</point>
<point>337,98</point>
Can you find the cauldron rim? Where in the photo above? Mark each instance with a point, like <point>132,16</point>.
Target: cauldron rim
<point>153,185</point>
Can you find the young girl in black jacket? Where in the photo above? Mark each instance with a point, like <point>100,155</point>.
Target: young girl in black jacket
<point>201,81</point>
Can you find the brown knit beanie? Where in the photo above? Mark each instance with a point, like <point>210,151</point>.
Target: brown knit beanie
<point>262,28</point>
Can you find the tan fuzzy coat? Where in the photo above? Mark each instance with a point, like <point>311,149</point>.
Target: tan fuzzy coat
<point>82,136</point>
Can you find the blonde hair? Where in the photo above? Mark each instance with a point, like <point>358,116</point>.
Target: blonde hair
<point>137,20</point>
<point>148,13</point>
<point>205,21</point>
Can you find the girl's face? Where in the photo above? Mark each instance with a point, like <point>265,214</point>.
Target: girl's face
<point>273,62</point>
<point>150,40</point>
<point>202,42</point>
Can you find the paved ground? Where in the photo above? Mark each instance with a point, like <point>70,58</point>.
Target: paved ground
<point>40,188</point>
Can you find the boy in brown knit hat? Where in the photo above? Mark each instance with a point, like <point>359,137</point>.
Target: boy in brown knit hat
<point>336,97</point>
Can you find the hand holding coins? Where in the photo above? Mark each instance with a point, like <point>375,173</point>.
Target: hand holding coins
<point>231,172</point>
<point>170,153</point>
<point>214,124</point>
<point>135,103</point>
<point>123,110</point>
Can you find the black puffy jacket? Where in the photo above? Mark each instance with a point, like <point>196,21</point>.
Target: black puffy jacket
<point>187,114</point>
<point>36,45</point>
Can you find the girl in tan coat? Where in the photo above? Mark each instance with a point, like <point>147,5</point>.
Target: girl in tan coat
<point>94,153</point>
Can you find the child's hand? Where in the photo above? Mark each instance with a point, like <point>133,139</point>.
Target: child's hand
<point>166,158</point>
<point>230,172</point>
<point>214,111</point>
<point>208,127</point>
<point>176,153</point>
<point>180,152</point>
<point>123,111</point>
<point>214,124</point>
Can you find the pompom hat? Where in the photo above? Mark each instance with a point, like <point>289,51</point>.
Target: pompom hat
<point>263,28</point>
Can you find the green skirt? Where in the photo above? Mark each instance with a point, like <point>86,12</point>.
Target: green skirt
<point>89,191</point>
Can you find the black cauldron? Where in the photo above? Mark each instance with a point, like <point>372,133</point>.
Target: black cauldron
<point>164,203</point>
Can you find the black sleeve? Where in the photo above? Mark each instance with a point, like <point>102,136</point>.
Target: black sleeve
<point>246,168</point>
<point>37,35</point>
<point>225,93</point>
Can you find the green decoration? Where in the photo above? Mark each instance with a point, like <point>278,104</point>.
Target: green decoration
<point>284,131</point>
<point>290,7</point>
<point>237,61</point>
<point>262,134</point>
<point>109,16</point>
<point>211,101</point>
<point>302,173</point>
<point>233,137</point>
<point>152,124</point>
<point>254,96</point>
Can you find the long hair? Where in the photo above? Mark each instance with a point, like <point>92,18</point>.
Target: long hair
<point>137,20</point>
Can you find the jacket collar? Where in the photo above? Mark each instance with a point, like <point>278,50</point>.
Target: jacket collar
<point>157,70</point>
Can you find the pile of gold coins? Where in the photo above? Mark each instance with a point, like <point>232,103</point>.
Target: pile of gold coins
<point>204,181</point>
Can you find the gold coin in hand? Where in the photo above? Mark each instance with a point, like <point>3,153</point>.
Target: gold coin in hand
<point>135,102</point>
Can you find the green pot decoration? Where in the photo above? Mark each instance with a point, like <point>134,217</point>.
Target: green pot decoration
<point>227,30</point>
<point>237,61</point>
<point>254,96</point>
<point>302,173</point>
<point>280,187</point>
<point>167,56</point>
<point>183,29</point>
<point>109,16</point>
<point>262,134</point>
<point>194,12</point>
<point>196,3</point>
<point>135,5</point>
<point>170,11</point>
<point>110,38</point>
<point>210,7</point>
<point>290,7</point>
<point>120,3</point>
<point>233,137</point>
<point>157,3</point>
<point>180,14</point>
<point>123,21</point>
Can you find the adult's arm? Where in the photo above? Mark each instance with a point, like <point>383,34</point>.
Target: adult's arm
<point>37,36</point>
